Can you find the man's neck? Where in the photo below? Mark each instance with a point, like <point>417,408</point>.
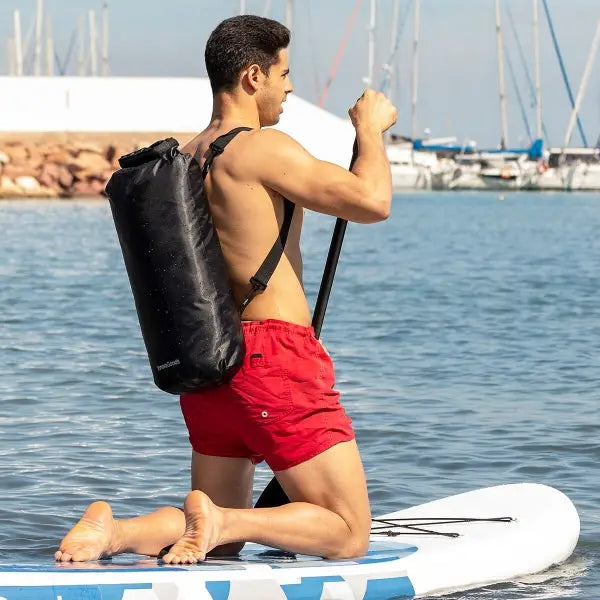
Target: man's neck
<point>231,110</point>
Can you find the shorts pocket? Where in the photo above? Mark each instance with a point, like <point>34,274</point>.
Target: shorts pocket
<point>264,390</point>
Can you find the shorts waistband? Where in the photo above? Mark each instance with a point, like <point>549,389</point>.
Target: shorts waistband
<point>254,327</point>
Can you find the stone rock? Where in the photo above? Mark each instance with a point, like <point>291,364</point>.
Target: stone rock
<point>49,174</point>
<point>89,147</point>
<point>36,157</point>
<point>46,192</point>
<point>28,183</point>
<point>79,165</point>
<point>60,156</point>
<point>87,163</point>
<point>31,188</point>
<point>14,170</point>
<point>45,148</point>
<point>110,154</point>
<point>17,152</point>
<point>91,187</point>
<point>55,176</point>
<point>65,178</point>
<point>9,189</point>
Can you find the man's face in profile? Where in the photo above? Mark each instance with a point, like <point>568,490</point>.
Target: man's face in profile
<point>277,85</point>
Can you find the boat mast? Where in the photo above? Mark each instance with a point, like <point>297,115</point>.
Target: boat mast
<point>503,117</point>
<point>10,54</point>
<point>49,47</point>
<point>93,57</point>
<point>289,18</point>
<point>538,76</point>
<point>340,52</point>
<point>389,67</point>
<point>372,24</point>
<point>18,44</point>
<point>267,8</point>
<point>391,64</point>
<point>584,81</point>
<point>39,15</point>
<point>242,7</point>
<point>415,66</point>
<point>105,67</point>
<point>81,47</point>
<point>563,70</point>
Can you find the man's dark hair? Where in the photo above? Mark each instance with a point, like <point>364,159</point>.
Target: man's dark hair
<point>239,42</point>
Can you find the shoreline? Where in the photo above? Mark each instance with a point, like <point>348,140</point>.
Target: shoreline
<point>66,165</point>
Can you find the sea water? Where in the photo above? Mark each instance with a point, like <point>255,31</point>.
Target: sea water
<point>465,331</point>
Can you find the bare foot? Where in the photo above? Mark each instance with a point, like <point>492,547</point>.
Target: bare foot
<point>203,523</point>
<point>93,537</point>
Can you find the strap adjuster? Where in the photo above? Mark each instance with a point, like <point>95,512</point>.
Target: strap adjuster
<point>257,284</point>
<point>216,148</point>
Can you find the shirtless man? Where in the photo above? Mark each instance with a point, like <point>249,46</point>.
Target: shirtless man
<point>281,406</point>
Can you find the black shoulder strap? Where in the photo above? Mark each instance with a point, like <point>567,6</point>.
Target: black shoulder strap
<point>261,279</point>
<point>218,147</point>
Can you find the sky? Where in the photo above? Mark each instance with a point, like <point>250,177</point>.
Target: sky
<point>458,73</point>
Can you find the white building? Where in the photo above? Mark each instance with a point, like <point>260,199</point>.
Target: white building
<point>139,104</point>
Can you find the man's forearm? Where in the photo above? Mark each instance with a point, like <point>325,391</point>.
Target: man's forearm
<point>372,166</point>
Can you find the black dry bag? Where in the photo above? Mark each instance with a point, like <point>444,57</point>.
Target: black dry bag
<point>188,315</point>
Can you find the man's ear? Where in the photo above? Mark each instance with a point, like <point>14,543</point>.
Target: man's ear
<point>254,76</point>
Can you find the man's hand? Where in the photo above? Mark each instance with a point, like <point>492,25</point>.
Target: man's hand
<point>373,111</point>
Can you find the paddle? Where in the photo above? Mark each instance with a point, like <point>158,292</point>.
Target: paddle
<point>273,494</point>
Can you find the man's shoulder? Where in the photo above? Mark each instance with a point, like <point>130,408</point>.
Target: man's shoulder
<point>258,149</point>
<point>268,138</point>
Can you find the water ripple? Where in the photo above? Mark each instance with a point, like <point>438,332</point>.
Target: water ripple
<point>466,336</point>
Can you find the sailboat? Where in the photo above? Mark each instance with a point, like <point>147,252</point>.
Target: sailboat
<point>572,168</point>
<point>412,168</point>
<point>407,173</point>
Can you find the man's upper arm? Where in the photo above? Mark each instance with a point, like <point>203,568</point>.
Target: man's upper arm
<point>283,165</point>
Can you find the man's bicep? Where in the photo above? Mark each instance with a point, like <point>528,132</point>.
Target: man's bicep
<point>294,173</point>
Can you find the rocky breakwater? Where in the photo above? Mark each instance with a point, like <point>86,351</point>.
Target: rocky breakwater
<point>61,165</point>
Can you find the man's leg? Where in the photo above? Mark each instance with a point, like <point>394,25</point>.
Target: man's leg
<point>98,534</point>
<point>227,481</point>
<point>328,515</point>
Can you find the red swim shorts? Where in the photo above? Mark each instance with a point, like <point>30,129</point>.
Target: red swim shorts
<point>279,407</point>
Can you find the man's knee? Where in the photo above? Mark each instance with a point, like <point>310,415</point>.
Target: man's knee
<point>354,546</point>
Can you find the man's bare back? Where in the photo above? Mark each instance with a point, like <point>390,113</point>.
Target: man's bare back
<point>248,217</point>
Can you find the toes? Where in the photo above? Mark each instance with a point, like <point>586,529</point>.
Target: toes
<point>81,556</point>
<point>183,559</point>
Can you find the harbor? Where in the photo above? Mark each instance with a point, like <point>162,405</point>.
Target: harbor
<point>90,117</point>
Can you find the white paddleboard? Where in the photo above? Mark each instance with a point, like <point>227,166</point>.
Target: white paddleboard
<point>465,541</point>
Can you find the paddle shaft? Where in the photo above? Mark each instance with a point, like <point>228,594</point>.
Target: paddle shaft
<point>328,275</point>
<point>273,494</point>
